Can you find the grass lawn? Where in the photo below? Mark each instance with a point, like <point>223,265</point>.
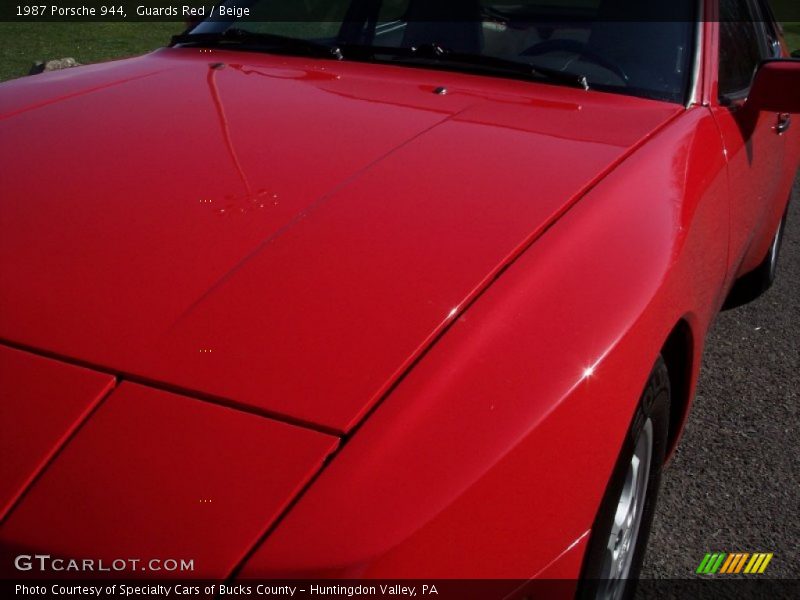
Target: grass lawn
<point>22,44</point>
<point>792,32</point>
<point>787,9</point>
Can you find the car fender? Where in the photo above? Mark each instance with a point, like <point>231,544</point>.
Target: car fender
<point>490,457</point>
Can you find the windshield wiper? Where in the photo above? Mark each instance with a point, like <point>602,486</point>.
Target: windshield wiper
<point>426,52</point>
<point>439,54</point>
<point>242,37</point>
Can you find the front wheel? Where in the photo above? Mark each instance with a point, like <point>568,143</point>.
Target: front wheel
<point>622,526</point>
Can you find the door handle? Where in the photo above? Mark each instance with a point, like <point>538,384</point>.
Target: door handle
<point>784,122</point>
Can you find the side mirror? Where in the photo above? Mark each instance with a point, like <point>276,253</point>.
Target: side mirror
<point>776,87</point>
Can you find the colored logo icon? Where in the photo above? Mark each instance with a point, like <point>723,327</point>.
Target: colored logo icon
<point>737,562</point>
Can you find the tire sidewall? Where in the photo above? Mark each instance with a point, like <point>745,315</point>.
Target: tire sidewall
<point>775,252</point>
<point>654,404</point>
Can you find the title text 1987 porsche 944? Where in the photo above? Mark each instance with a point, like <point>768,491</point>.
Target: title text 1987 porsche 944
<point>379,288</point>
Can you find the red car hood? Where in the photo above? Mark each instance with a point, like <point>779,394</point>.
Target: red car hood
<point>102,469</point>
<point>278,234</point>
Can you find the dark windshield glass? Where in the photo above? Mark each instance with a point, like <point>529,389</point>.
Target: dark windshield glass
<point>588,38</point>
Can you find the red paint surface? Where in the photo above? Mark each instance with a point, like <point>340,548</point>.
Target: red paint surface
<point>501,265</point>
<point>154,476</point>
<point>491,456</point>
<point>42,403</point>
<point>369,209</point>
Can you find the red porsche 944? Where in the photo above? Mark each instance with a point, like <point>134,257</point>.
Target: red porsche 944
<point>379,288</point>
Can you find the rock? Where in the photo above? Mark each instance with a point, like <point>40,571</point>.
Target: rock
<point>53,65</point>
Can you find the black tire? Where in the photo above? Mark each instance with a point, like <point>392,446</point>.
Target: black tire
<point>752,285</point>
<point>654,406</point>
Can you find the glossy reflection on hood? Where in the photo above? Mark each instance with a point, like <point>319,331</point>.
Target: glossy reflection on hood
<point>352,213</point>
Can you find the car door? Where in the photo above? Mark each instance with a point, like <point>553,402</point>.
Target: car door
<point>753,141</point>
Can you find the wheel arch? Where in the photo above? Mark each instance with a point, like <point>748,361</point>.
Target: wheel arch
<point>679,354</point>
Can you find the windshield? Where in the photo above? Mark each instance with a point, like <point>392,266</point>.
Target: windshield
<point>604,44</point>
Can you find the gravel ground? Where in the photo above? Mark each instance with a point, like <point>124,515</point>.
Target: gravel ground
<point>734,483</point>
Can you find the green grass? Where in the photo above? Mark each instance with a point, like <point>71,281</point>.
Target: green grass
<point>787,9</point>
<point>22,44</point>
<point>792,33</point>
